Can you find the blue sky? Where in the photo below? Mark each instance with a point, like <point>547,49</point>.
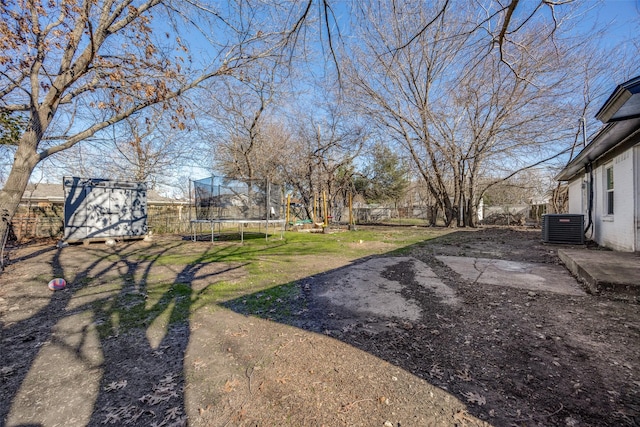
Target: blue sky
<point>617,11</point>
<point>620,16</point>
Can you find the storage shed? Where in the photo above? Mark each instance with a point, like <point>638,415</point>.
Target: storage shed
<point>102,209</point>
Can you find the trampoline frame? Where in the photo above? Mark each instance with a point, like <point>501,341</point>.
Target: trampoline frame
<point>268,209</point>
<point>241,224</point>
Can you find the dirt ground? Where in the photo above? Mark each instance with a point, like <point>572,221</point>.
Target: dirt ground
<point>455,353</point>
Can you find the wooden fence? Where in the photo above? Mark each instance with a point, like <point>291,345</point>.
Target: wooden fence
<point>36,222</point>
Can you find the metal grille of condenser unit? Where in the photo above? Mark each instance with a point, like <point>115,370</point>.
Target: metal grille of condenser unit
<point>563,228</point>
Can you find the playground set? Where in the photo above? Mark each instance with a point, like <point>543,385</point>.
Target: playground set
<point>318,214</point>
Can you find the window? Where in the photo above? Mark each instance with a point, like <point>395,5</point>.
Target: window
<point>609,197</point>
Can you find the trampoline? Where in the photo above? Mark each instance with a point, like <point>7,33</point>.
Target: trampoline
<point>221,200</point>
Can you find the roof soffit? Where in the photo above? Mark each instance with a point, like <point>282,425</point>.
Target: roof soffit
<point>624,102</point>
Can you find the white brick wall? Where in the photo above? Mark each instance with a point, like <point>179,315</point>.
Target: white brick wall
<point>617,231</point>
<point>575,197</point>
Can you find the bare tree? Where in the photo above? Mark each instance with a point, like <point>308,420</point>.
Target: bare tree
<point>458,111</point>
<point>148,147</point>
<point>243,133</point>
<point>320,153</point>
<point>74,69</point>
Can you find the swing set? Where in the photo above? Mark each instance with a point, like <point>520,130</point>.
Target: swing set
<point>318,214</point>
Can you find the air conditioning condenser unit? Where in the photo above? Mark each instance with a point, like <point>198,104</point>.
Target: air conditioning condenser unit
<point>563,228</point>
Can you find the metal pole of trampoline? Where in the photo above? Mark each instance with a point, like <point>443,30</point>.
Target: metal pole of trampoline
<point>288,205</point>
<point>350,211</point>
<point>266,211</point>
<point>193,233</point>
<point>324,208</point>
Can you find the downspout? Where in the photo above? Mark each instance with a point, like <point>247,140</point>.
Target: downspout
<point>589,170</point>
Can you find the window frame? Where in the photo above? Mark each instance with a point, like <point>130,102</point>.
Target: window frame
<point>609,190</point>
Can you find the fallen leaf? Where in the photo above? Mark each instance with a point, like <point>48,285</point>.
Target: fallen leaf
<point>462,418</point>
<point>173,413</point>
<point>168,378</point>
<point>436,371</point>
<point>199,364</point>
<point>230,385</point>
<point>464,375</point>
<point>474,397</point>
<point>111,418</point>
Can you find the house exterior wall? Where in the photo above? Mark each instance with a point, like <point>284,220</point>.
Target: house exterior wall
<point>636,169</point>
<point>615,231</point>
<point>613,154</point>
<point>618,231</point>
<point>576,203</point>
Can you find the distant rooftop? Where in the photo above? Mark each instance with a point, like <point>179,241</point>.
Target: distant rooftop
<point>54,193</point>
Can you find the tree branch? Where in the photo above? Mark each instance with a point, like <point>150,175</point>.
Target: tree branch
<point>423,29</point>
<point>74,139</point>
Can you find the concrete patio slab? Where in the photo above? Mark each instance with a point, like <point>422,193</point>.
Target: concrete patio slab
<point>617,272</point>
<point>523,275</point>
<point>363,289</point>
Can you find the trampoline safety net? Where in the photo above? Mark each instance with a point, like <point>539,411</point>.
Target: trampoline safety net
<point>219,198</point>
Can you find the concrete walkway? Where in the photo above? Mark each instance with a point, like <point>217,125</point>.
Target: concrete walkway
<point>609,271</point>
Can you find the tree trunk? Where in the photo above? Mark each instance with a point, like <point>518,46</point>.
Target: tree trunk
<point>471,214</point>
<point>450,214</point>
<point>461,219</point>
<point>450,211</point>
<point>433,215</point>
<point>24,162</point>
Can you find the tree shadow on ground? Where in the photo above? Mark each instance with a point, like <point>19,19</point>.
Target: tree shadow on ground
<point>111,345</point>
<point>509,353</point>
<point>20,340</point>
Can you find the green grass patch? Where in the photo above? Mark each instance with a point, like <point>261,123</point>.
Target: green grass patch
<point>43,278</point>
<point>271,301</point>
<point>293,244</point>
<point>136,310</point>
<point>103,290</point>
<point>216,293</point>
<point>405,221</point>
<point>267,289</point>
